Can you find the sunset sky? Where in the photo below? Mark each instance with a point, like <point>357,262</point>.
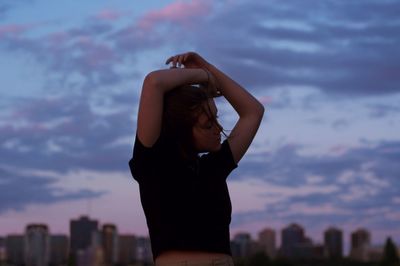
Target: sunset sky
<point>327,72</point>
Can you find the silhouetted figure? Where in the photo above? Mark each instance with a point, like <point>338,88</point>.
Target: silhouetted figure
<point>184,195</point>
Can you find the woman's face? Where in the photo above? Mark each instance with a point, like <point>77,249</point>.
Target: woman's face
<point>207,131</point>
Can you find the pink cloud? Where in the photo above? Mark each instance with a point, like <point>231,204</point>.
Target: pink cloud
<point>13,29</point>
<point>178,12</point>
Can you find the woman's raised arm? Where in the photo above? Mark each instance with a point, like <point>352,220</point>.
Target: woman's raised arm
<point>155,85</point>
<point>249,109</point>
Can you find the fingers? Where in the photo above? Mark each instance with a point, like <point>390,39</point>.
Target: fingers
<point>168,60</point>
<point>173,61</point>
<point>180,60</point>
<point>185,57</point>
<point>177,60</point>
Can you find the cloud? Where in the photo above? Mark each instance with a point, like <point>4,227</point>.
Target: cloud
<point>379,111</point>
<point>179,13</point>
<point>98,52</point>
<point>75,59</point>
<point>14,30</point>
<point>19,190</point>
<point>43,140</point>
<point>346,49</point>
<point>66,133</point>
<point>332,188</point>
<point>356,56</point>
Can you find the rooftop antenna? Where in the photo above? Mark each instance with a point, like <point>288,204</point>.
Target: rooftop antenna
<point>89,206</point>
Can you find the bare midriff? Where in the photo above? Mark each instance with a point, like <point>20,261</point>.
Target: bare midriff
<point>175,255</point>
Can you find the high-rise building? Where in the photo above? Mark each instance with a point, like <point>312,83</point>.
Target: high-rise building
<point>360,244</point>
<point>242,245</point>
<point>267,241</point>
<point>127,249</point>
<point>59,249</point>
<point>15,249</point>
<point>81,233</point>
<point>318,251</point>
<point>37,245</point>
<point>333,242</point>
<point>144,253</point>
<point>2,250</point>
<point>93,255</point>
<point>292,237</point>
<point>110,244</point>
<point>90,256</point>
<point>305,249</point>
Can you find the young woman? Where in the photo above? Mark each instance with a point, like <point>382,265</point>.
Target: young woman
<point>184,194</point>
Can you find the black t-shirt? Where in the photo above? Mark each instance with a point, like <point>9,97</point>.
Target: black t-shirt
<point>187,205</point>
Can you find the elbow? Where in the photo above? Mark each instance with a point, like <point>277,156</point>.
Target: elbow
<point>254,110</point>
<point>151,80</point>
<point>259,110</point>
<point>255,113</point>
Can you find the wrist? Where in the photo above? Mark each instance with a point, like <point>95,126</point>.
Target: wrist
<point>208,79</point>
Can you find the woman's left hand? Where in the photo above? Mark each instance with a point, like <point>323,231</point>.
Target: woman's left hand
<point>188,60</point>
<point>194,60</point>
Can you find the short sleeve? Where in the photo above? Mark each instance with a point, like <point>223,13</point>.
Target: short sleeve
<point>220,163</point>
<point>143,159</point>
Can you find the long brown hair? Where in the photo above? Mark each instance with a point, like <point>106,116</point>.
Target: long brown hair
<point>182,106</point>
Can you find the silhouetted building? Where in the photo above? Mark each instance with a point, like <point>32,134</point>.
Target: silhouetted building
<point>90,256</point>
<point>292,238</point>
<point>81,233</point>
<point>144,253</point>
<point>2,249</point>
<point>93,255</point>
<point>333,241</point>
<point>15,249</point>
<point>242,245</point>
<point>127,249</point>
<point>59,249</point>
<point>360,243</point>
<point>267,242</point>
<point>110,244</point>
<point>318,251</point>
<point>304,249</point>
<point>37,245</point>
<point>375,254</point>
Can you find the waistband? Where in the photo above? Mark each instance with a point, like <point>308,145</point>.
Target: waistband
<point>211,261</point>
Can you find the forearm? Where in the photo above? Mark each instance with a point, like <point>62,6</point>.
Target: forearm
<point>168,79</point>
<point>155,85</point>
<point>241,100</point>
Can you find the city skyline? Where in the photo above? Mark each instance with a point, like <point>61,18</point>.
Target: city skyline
<point>327,151</point>
<point>346,238</point>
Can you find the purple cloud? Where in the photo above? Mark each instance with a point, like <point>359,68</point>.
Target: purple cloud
<point>19,190</point>
<point>340,49</point>
<point>47,133</point>
<point>328,188</point>
<point>290,44</point>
